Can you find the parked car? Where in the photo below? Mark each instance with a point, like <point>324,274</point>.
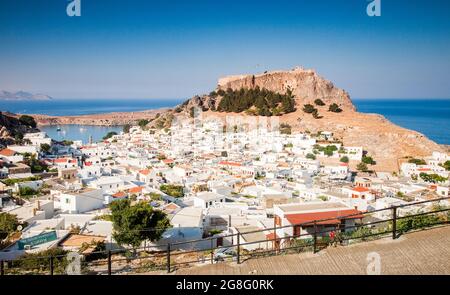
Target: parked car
<point>224,253</point>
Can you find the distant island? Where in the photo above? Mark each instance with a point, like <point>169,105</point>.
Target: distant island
<point>22,95</point>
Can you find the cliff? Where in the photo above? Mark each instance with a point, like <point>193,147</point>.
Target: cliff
<point>306,86</point>
<point>11,129</point>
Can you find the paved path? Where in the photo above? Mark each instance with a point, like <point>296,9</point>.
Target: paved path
<point>424,252</point>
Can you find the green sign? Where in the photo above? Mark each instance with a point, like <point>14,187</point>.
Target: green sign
<point>37,240</point>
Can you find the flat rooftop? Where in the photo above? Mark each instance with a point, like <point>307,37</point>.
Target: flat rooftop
<point>312,206</point>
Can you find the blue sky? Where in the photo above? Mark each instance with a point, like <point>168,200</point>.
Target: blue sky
<point>176,49</point>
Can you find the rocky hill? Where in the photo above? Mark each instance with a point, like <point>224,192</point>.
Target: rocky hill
<point>12,129</point>
<point>388,143</point>
<point>306,86</point>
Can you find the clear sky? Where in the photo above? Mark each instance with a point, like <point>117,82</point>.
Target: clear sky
<point>176,49</point>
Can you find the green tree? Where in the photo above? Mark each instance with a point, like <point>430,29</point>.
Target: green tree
<point>27,120</point>
<point>126,128</point>
<point>143,122</point>
<point>417,161</point>
<point>344,159</point>
<point>362,167</point>
<point>45,147</point>
<point>8,224</point>
<point>434,178</point>
<point>134,224</point>
<point>446,165</point>
<point>109,135</point>
<point>368,160</point>
<point>310,156</point>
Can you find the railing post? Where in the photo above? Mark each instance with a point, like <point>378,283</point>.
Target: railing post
<point>2,268</point>
<point>168,258</point>
<point>109,262</point>
<point>394,223</point>
<point>238,248</point>
<point>51,265</point>
<point>212,252</point>
<point>315,237</point>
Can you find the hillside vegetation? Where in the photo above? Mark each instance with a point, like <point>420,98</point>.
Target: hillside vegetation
<point>255,101</point>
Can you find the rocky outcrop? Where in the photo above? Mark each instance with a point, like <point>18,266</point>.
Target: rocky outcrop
<point>10,127</point>
<point>306,86</point>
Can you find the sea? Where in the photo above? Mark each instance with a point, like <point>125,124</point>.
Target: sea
<point>428,116</point>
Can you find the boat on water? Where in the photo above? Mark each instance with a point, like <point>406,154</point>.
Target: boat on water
<point>58,128</point>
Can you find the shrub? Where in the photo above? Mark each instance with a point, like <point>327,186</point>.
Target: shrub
<point>126,128</point>
<point>310,156</point>
<point>432,177</point>
<point>334,108</point>
<point>362,167</point>
<point>27,191</point>
<point>143,122</point>
<point>416,222</point>
<point>285,128</point>
<point>368,160</point>
<point>109,135</point>
<point>446,165</point>
<point>417,161</point>
<point>8,224</point>
<point>172,190</point>
<point>344,159</point>
<point>319,102</point>
<point>309,108</point>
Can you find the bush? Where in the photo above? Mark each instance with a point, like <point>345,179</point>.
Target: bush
<point>143,122</point>
<point>310,156</point>
<point>45,147</point>
<point>126,128</point>
<point>417,222</point>
<point>172,190</point>
<point>344,159</point>
<point>8,224</point>
<point>27,191</point>
<point>432,177</point>
<point>40,261</point>
<point>285,128</point>
<point>334,108</point>
<point>319,102</point>
<point>362,167</point>
<point>309,108</point>
<point>417,161</point>
<point>446,165</point>
<point>368,160</point>
<point>109,135</point>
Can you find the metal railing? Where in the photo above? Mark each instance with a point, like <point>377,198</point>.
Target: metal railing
<point>168,258</point>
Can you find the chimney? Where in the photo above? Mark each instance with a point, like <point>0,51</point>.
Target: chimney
<point>38,204</point>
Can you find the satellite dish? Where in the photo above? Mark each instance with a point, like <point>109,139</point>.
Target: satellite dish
<point>19,228</point>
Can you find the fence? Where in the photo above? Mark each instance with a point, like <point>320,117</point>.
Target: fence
<point>144,260</point>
